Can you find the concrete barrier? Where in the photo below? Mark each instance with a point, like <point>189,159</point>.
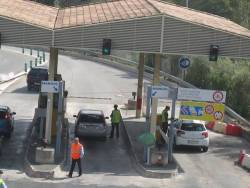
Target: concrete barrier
<point>233,130</point>
<point>246,161</point>
<point>210,125</point>
<point>220,127</point>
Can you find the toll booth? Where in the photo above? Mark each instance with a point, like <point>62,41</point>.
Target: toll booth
<point>158,154</point>
<point>58,127</point>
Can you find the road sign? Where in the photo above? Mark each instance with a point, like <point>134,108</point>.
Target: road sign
<point>202,111</point>
<point>50,86</point>
<point>184,62</point>
<point>159,91</point>
<point>201,95</point>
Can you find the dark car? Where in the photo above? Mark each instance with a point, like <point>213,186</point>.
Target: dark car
<point>90,123</point>
<point>6,121</point>
<point>35,76</point>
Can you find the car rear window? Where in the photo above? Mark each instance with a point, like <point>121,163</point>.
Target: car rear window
<point>192,127</point>
<point>90,118</point>
<point>2,114</point>
<point>39,71</point>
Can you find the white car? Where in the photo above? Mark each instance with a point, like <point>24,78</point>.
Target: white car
<point>191,133</point>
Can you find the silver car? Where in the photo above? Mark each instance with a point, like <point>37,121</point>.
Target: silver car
<point>90,123</point>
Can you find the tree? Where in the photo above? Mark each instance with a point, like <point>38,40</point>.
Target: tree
<point>199,72</point>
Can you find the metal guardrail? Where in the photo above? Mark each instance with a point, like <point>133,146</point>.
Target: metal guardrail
<point>230,112</point>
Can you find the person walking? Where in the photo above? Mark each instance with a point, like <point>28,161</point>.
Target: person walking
<point>116,119</point>
<point>2,183</point>
<point>77,152</point>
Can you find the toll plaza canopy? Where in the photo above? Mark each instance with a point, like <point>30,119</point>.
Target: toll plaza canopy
<point>149,26</point>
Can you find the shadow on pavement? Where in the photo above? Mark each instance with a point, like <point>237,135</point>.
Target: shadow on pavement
<point>25,90</point>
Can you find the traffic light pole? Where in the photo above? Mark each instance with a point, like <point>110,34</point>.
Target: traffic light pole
<point>140,85</point>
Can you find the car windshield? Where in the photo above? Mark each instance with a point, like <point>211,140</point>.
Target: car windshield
<point>2,114</point>
<point>90,118</point>
<point>192,127</point>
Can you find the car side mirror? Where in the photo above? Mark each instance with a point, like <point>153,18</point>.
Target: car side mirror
<point>75,116</point>
<point>106,117</point>
<point>13,113</point>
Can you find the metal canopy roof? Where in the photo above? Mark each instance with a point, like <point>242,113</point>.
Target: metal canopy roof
<point>134,25</point>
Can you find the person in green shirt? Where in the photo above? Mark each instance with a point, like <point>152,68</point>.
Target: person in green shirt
<point>116,119</point>
<point>2,183</point>
<point>164,119</point>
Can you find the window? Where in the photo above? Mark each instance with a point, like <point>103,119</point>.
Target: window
<point>90,118</point>
<point>192,127</point>
<point>2,114</point>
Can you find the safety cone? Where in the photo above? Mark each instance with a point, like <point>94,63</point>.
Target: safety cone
<point>242,155</point>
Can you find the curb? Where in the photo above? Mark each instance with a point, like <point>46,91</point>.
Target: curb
<point>14,77</point>
<point>140,168</point>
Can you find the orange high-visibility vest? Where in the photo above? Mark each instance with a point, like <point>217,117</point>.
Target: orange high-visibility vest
<point>76,151</point>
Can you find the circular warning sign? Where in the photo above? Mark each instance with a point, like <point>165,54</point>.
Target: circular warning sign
<point>218,115</point>
<point>218,96</point>
<point>209,109</point>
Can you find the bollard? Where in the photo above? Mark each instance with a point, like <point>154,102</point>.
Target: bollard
<point>43,56</point>
<point>23,50</point>
<point>30,64</point>
<point>36,62</point>
<point>40,61</point>
<point>30,51</point>
<point>38,53</point>
<point>25,67</point>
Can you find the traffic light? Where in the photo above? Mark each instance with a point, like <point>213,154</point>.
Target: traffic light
<point>214,51</point>
<point>106,47</point>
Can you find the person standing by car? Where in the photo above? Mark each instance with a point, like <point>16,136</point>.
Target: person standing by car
<point>116,119</point>
<point>2,183</point>
<point>164,120</point>
<point>77,152</point>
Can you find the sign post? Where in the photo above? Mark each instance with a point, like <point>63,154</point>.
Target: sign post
<point>49,87</point>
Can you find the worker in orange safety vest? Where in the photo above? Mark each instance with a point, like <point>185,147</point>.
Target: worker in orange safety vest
<point>77,152</point>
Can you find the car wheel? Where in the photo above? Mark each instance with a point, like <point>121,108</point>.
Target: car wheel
<point>204,148</point>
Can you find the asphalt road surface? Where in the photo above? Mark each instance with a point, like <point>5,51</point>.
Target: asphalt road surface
<point>12,63</point>
<point>107,164</point>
